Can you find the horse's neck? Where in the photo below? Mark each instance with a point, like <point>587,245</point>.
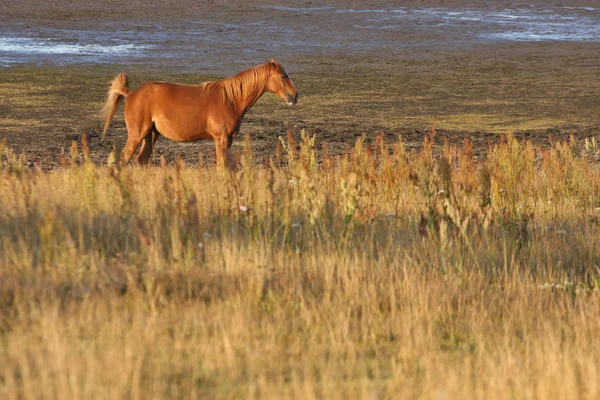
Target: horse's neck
<point>249,99</point>
<point>250,91</point>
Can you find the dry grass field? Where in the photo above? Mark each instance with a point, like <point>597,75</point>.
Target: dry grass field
<point>373,274</point>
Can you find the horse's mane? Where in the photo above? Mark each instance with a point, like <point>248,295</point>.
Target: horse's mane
<point>235,87</point>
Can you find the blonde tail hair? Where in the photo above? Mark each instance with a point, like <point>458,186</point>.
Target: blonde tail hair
<point>119,89</point>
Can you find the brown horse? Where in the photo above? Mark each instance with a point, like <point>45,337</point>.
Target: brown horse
<point>184,113</point>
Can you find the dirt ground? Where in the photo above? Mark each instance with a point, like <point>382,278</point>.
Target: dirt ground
<point>534,89</point>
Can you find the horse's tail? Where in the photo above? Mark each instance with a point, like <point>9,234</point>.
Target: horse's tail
<point>119,89</point>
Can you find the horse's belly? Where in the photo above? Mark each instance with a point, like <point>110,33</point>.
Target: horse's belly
<point>181,132</point>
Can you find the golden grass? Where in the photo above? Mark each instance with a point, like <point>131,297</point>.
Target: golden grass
<point>375,274</point>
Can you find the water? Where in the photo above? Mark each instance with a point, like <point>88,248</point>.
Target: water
<point>16,46</point>
<point>241,38</point>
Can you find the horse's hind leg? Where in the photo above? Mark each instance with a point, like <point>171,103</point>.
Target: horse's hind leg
<point>134,137</point>
<point>129,149</point>
<point>147,147</point>
<point>146,150</point>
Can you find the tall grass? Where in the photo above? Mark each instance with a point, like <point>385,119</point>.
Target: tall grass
<point>377,274</point>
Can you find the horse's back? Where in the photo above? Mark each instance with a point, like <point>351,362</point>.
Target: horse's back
<point>168,91</point>
<point>167,97</point>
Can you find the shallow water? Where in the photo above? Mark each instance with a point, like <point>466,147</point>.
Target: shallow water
<point>243,37</point>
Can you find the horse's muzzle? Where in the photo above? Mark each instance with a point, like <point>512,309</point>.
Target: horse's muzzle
<point>292,100</point>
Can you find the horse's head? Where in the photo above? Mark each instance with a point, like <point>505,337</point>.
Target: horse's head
<point>280,83</point>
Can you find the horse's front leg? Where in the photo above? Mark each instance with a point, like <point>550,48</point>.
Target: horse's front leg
<point>223,148</point>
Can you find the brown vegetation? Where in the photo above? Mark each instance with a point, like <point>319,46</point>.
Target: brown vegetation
<point>373,274</point>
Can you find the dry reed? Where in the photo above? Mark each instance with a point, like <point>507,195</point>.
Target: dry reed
<point>377,274</point>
